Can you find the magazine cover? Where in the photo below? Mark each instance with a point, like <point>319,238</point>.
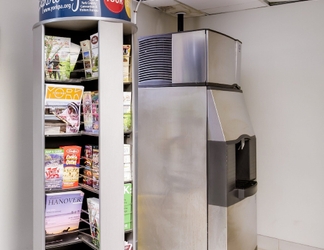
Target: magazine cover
<point>64,102</point>
<point>95,167</point>
<point>74,54</point>
<point>127,63</point>
<point>94,39</point>
<point>71,165</point>
<point>86,56</point>
<point>95,111</point>
<point>57,58</point>
<point>53,169</point>
<point>128,246</point>
<point>127,163</point>
<point>87,171</point>
<point>127,112</point>
<point>62,211</point>
<point>93,210</point>
<point>87,111</point>
<point>128,203</point>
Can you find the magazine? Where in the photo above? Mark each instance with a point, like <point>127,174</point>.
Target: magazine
<point>95,111</point>
<point>62,211</point>
<point>74,54</point>
<point>95,167</point>
<point>87,111</point>
<point>127,112</point>
<point>86,56</point>
<point>64,102</point>
<point>128,246</point>
<point>71,164</point>
<point>94,216</point>
<point>127,63</point>
<point>57,58</point>
<point>94,40</point>
<point>128,204</point>
<point>53,169</point>
<point>87,171</point>
<point>127,163</point>
<point>90,55</point>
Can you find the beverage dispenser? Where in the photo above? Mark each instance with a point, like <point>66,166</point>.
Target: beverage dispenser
<point>196,169</point>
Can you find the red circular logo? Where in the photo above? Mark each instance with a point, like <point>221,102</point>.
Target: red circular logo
<point>115,6</point>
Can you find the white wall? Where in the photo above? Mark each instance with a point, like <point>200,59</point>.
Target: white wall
<point>16,21</point>
<point>283,84</point>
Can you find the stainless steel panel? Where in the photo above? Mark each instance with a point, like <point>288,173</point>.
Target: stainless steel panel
<point>205,56</point>
<point>172,192</point>
<point>242,225</point>
<point>234,227</point>
<point>189,57</point>
<point>217,228</point>
<point>231,119</point>
<point>214,127</point>
<point>222,58</point>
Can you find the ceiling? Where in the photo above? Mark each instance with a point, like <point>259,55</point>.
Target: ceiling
<point>193,8</point>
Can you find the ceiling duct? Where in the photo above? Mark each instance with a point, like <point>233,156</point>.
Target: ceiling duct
<point>180,21</point>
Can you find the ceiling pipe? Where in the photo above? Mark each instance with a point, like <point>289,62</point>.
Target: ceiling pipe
<point>180,16</point>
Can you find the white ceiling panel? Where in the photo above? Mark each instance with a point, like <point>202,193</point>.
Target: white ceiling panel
<point>213,4</point>
<point>194,8</point>
<point>160,3</point>
<point>235,7</point>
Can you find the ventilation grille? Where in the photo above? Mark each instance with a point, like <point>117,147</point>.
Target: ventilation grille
<point>155,60</point>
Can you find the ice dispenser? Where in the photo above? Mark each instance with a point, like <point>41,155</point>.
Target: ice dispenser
<point>231,149</point>
<point>196,172</point>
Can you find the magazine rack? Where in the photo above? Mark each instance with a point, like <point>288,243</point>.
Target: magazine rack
<point>112,34</point>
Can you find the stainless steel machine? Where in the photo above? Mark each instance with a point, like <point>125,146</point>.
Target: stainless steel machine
<point>196,169</point>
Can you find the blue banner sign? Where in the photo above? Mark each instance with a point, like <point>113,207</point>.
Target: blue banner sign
<point>119,9</point>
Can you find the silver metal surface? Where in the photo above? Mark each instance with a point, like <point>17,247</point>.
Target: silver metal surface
<point>217,228</point>
<point>231,119</point>
<point>172,193</point>
<point>178,129</point>
<point>222,58</point>
<point>242,225</point>
<point>189,58</point>
<point>134,134</point>
<point>205,56</point>
<point>234,227</point>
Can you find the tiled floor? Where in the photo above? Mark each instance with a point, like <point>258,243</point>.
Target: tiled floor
<point>267,243</point>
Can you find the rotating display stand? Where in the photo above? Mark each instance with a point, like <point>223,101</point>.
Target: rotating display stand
<point>113,33</point>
